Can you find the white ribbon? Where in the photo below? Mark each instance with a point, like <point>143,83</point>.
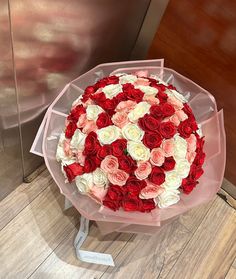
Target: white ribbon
<point>87,256</point>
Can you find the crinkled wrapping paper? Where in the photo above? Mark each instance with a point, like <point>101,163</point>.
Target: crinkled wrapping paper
<point>205,109</point>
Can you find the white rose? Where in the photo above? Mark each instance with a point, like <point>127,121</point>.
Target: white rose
<point>112,90</point>
<point>84,182</point>
<point>177,95</point>
<point>127,79</point>
<point>78,140</point>
<point>168,198</point>
<point>92,112</point>
<point>132,132</point>
<point>99,178</point>
<point>139,111</point>
<point>172,180</point>
<point>147,90</point>
<point>108,134</point>
<point>182,167</point>
<point>180,147</point>
<point>138,151</point>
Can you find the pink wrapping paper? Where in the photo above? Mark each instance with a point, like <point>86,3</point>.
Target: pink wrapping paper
<point>205,109</point>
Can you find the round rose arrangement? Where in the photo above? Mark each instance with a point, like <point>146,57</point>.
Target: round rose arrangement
<point>132,142</point>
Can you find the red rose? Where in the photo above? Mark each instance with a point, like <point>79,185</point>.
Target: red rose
<point>195,172</point>
<point>152,140</point>
<point>109,105</point>
<point>99,98</point>
<point>187,127</point>
<point>168,164</point>
<point>114,197</point>
<point>89,90</point>
<point>188,185</point>
<point>113,205</point>
<point>87,93</point>
<point>90,164</point>
<point>200,142</point>
<point>132,93</point>
<point>156,112</point>
<point>76,112</point>
<point>118,147</point>
<point>162,97</point>
<point>112,80</point>
<point>70,129</point>
<point>91,144</point>
<point>170,86</point>
<point>131,203</point>
<point>157,176</point>
<point>134,186</point>
<point>187,109</point>
<point>103,120</point>
<point>120,97</point>
<point>115,192</point>
<point>127,164</point>
<point>167,129</point>
<point>148,123</point>
<point>103,151</point>
<point>200,158</point>
<point>72,171</point>
<point>167,110</point>
<point>147,205</point>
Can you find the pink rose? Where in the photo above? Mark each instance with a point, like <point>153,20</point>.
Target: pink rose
<point>168,147</point>
<point>151,191</point>
<point>120,119</point>
<point>175,102</point>
<point>110,164</point>
<point>157,156</point>
<point>143,170</point>
<point>82,120</point>
<point>192,142</point>
<point>142,81</point>
<point>90,126</point>
<point>141,73</point>
<point>126,106</point>
<point>191,156</point>
<point>66,148</point>
<point>151,100</point>
<point>80,158</point>
<point>97,193</point>
<point>181,115</point>
<point>175,120</point>
<point>119,177</point>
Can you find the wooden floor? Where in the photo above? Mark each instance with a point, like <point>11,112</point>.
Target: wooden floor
<point>36,241</point>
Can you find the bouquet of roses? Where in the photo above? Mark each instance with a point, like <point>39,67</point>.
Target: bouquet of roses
<point>128,149</point>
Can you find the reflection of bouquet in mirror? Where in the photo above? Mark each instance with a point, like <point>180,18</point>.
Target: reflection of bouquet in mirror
<point>132,142</point>
<point>138,143</point>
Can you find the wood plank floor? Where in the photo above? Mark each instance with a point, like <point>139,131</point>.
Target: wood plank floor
<point>36,241</point>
